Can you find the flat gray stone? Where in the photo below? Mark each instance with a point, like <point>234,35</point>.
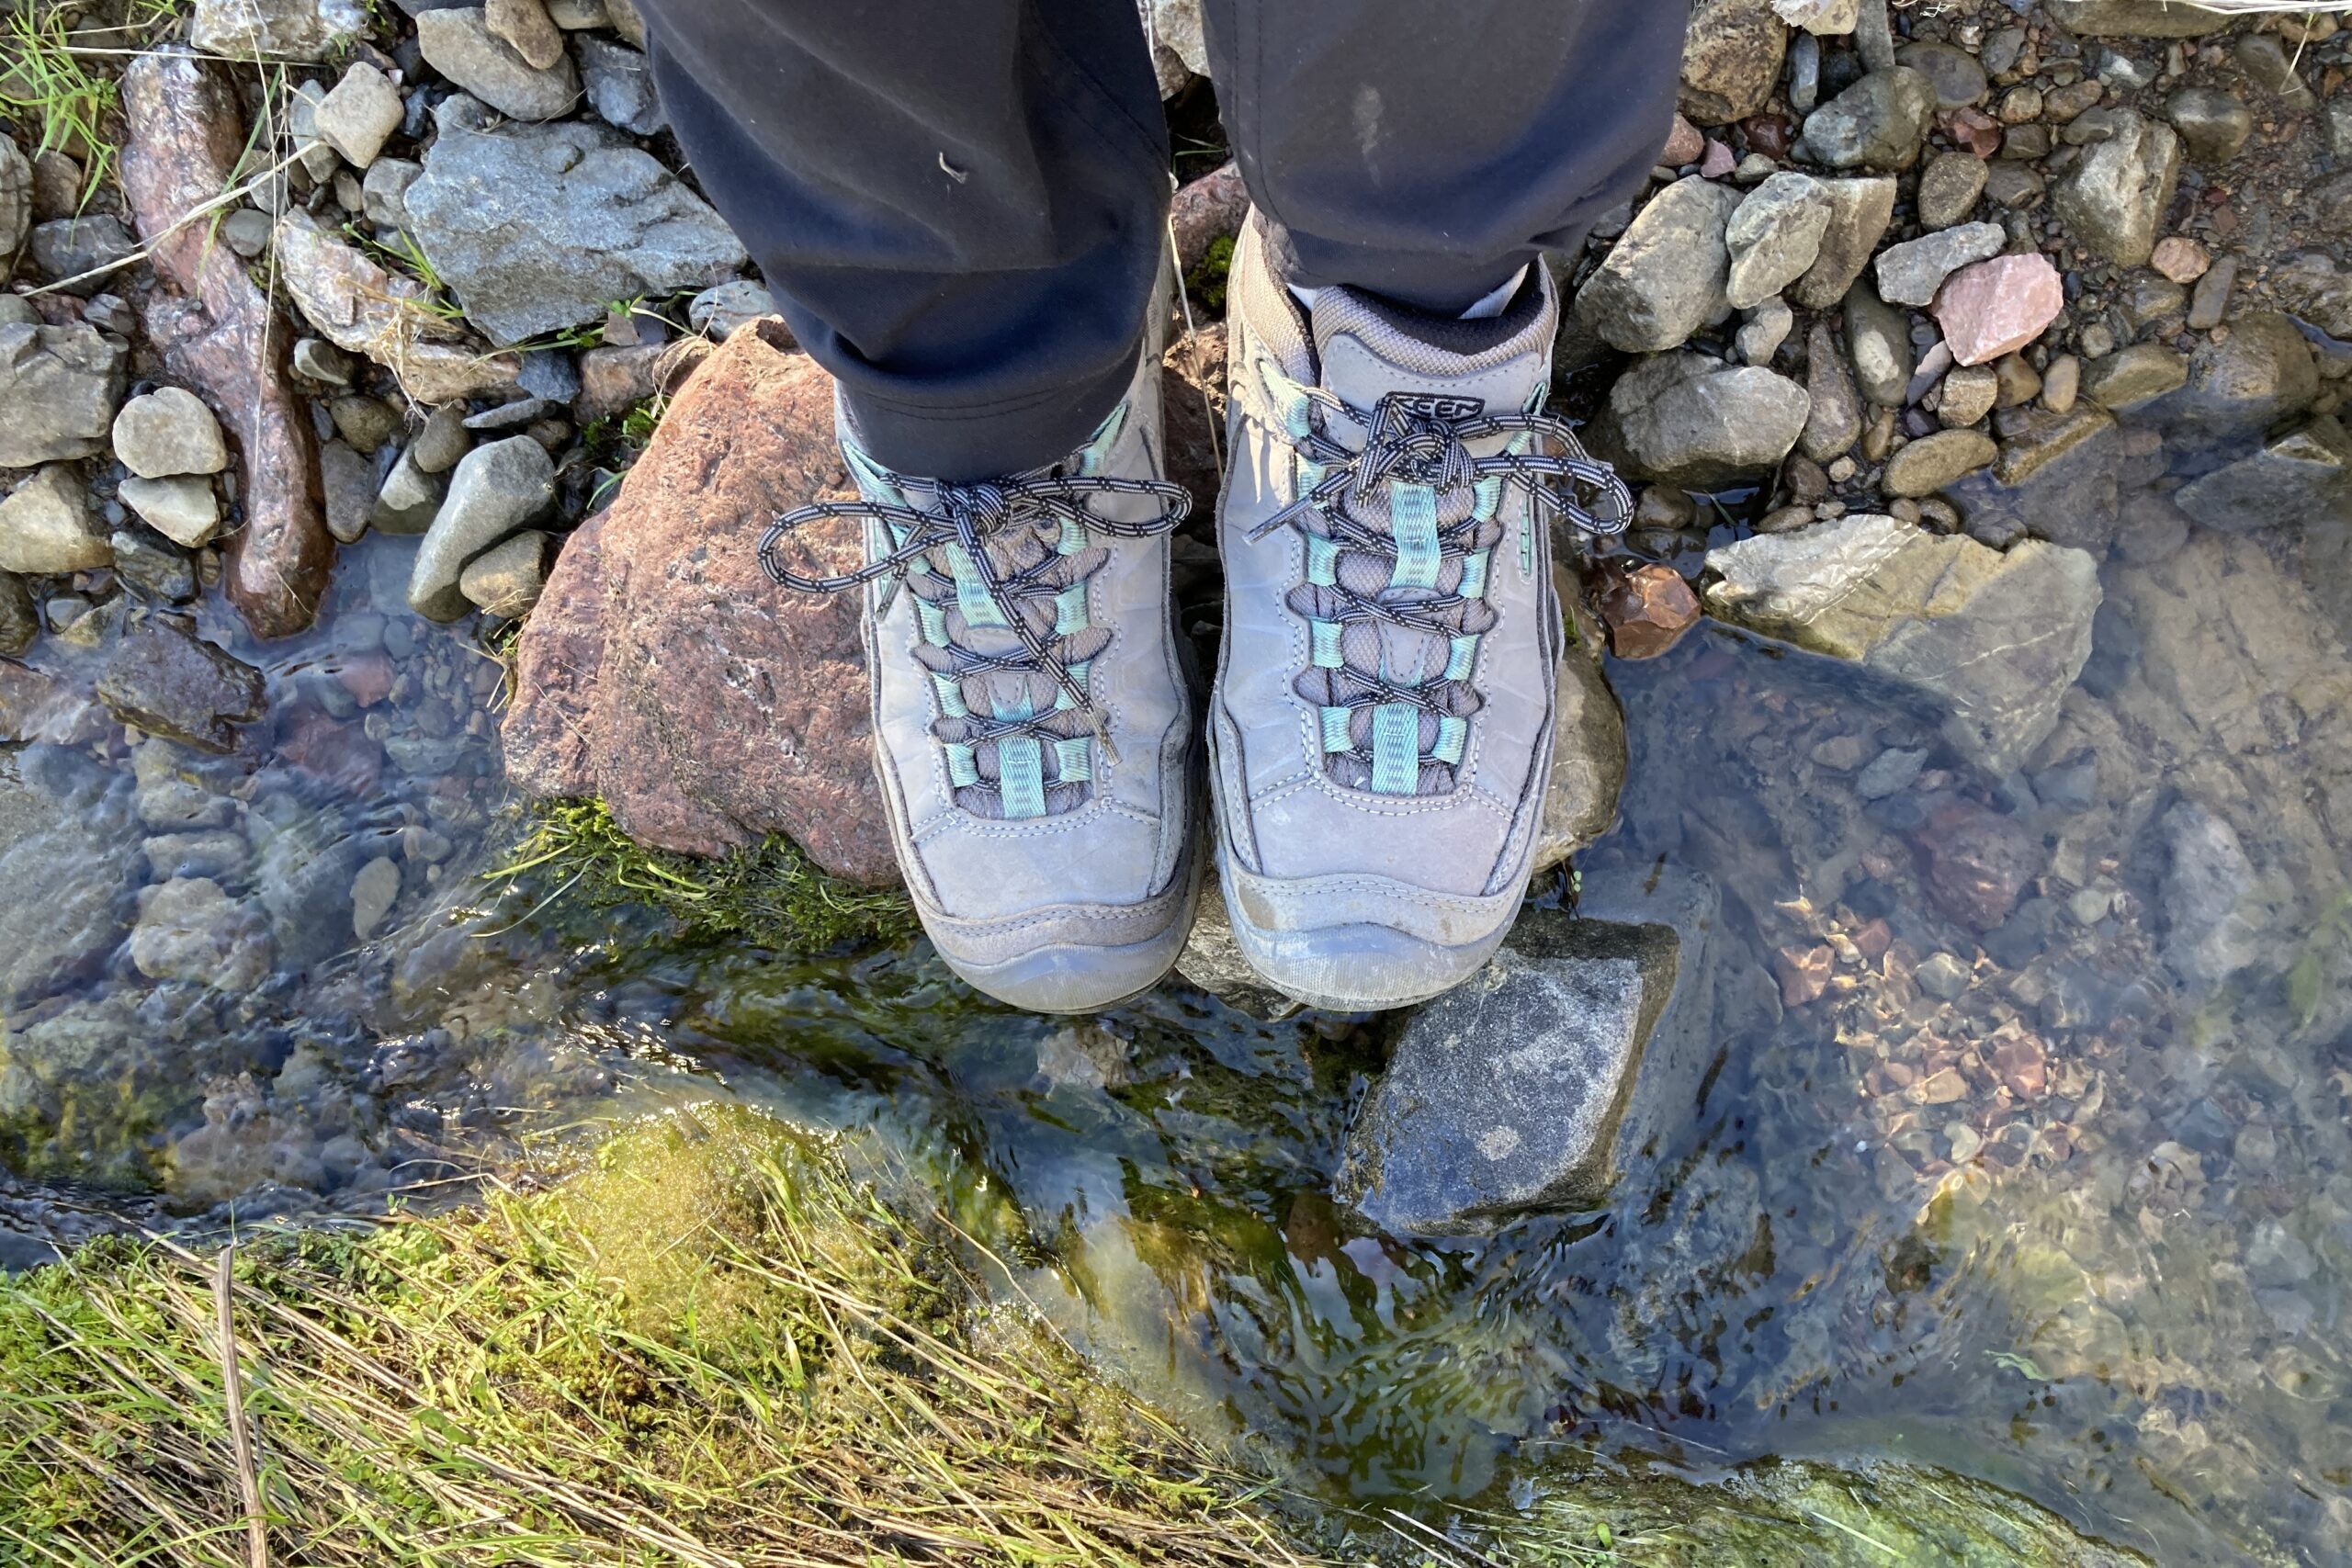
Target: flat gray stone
<point>58,386</point>
<point>1683,419</point>
<point>1910,273</point>
<point>169,431</point>
<point>620,84</point>
<point>1531,1084</point>
<point>183,509</point>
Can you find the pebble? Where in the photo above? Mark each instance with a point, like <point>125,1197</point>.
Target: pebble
<point>443,441</point>
<point>322,362</point>
<point>2061,383</point>
<point>496,492</point>
<point>366,423</point>
<point>1932,462</point>
<point>1944,977</point>
<point>1684,144</point>
<point>166,432</point>
<point>1878,123</point>
<point>2181,259</point>
<point>1891,772</point>
<point>505,579</point>
<point>2209,302</point>
<point>1909,274</point>
<point>183,509</point>
<point>1879,338</point>
<point>1949,188</point>
<point>1968,395</point>
<point>1774,237</point>
<point>246,232</point>
<point>373,893</point>
<point>719,312</point>
<point>2212,125</point>
<point>525,26</point>
<point>46,528</point>
<point>2135,374</point>
<point>620,85</point>
<point>360,115</point>
<point>459,43</point>
<point>151,569</point>
<point>1767,328</point>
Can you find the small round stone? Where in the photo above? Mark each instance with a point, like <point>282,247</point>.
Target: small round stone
<point>2180,258</point>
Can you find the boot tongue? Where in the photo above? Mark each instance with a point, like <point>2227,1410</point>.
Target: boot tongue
<point>1368,347</point>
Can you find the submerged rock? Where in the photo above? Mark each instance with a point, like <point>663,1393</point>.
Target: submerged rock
<point>2298,478</point>
<point>166,681</point>
<point>189,929</point>
<point>2208,883</point>
<point>1993,640</point>
<point>1526,1085</point>
<point>69,858</point>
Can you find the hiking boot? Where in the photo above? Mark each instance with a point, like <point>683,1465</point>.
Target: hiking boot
<point>1380,732</point>
<point>1033,728</point>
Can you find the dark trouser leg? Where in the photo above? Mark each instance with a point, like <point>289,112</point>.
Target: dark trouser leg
<point>1425,150</point>
<point>957,203</point>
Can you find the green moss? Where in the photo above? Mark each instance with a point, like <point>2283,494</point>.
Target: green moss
<point>769,896</point>
<point>1206,280</point>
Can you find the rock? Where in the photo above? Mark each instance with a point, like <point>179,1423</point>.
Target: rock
<point>1993,640</point>
<point>2209,935</point>
<point>1774,236</point>
<point>2112,202</point>
<point>2132,376</point>
<point>1943,977</point>
<point>1768,327</point>
<point>1648,607</point>
<point>189,929</point>
<point>2261,375</point>
<point>318,360</point>
<point>1891,772</point>
<point>1834,420</point>
<point>1828,19</point>
<point>1731,60</point>
<point>304,867</point>
<point>1879,337</point>
<point>2181,259</point>
<point>216,853</point>
<point>347,483</point>
<point>2035,440</point>
<point>499,490</point>
<point>2295,481</point>
<point>1587,761</point>
<point>1909,274</point>
<point>672,679</point>
<point>373,893</point>
<point>220,336</point>
<point>384,193</point>
<point>1667,276</point>
<point>525,26</point>
<point>1685,144</point>
<point>369,310</point>
<point>360,115</point>
<point>458,43</point>
<point>1949,188</point>
<point>1993,308</point>
<point>76,253</point>
<point>47,527</point>
<point>58,390</point>
<point>166,432</point>
<point>443,441</point>
<point>2063,384</point>
<point>537,228</point>
<point>163,678</point>
<point>151,568</point>
<point>630,24</point>
<point>506,579</point>
<point>15,199</point>
<point>1959,80</point>
<point>183,509</point>
<point>409,497</point>
<point>1860,211</point>
<point>1977,862</point>
<point>719,313</point>
<point>2135,19</point>
<point>275,29</point>
<point>2213,124</point>
<point>1968,395</point>
<point>68,857</point>
<point>613,380</point>
<point>1932,462</point>
<point>1682,418</point>
<point>1880,122</point>
<point>620,85</point>
<point>1581,1042</point>
<point>19,619</point>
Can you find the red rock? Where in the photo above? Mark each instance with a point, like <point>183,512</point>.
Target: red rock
<point>1206,210</point>
<point>1770,134</point>
<point>338,755</point>
<point>1684,144</point>
<point>663,672</point>
<point>1992,307</point>
<point>218,334</point>
<point>366,676</point>
<point>613,380</point>
<point>1648,608</point>
<point>1977,862</point>
<point>2023,1066</point>
<point>1974,129</point>
<point>1718,161</point>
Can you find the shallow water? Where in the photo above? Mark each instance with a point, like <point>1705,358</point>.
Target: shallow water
<point>2083,1229</point>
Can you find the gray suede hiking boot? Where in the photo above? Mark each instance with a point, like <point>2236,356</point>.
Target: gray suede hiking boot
<point>1381,728</point>
<point>1032,728</point>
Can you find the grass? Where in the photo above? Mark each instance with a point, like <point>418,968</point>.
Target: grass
<point>707,1346</point>
<point>768,896</point>
<point>47,81</point>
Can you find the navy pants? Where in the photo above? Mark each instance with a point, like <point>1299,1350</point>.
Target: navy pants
<point>960,204</point>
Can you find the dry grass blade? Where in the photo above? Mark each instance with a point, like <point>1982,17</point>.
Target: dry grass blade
<point>240,1436</point>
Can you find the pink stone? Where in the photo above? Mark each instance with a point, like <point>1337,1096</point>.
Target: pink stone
<point>1718,161</point>
<point>1683,144</point>
<point>1991,307</point>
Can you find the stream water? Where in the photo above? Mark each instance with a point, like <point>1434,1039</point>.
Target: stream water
<point>2074,1215</point>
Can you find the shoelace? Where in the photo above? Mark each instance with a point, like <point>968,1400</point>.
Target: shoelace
<point>969,516</point>
<point>1424,440</point>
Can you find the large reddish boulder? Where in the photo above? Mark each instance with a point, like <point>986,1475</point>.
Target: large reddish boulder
<point>663,672</point>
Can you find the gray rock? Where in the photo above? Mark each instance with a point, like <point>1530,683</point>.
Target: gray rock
<point>1942,977</point>
<point>458,43</point>
<point>1909,274</point>
<point>163,678</point>
<point>384,195</point>
<point>1859,210</point>
<point>1774,236</point>
<point>1949,188</point>
<point>550,375</point>
<point>2260,376</point>
<point>58,386</point>
<point>443,441</point>
<point>169,431</point>
<point>620,85</point>
<point>2135,19</point>
<point>347,482</point>
<point>366,423</point>
<point>216,853</point>
<point>1805,72</point>
<point>2264,58</point>
<point>720,311</point>
<point>47,527</point>
<point>577,16</point>
<point>373,893</point>
<point>19,617</point>
<point>2133,375</point>
<point>2213,928</point>
<point>275,29</point>
<point>1991,639</point>
<point>1213,962</point>
<point>174,796</point>
<point>505,579</point>
<point>1879,337</point>
<point>322,362</point>
<point>303,868</point>
<point>1589,759</point>
<point>409,497</point>
<point>69,858</point>
<point>525,24</point>
<point>1967,395</point>
<point>15,200</point>
<point>1880,122</point>
<point>2311,285</point>
<point>1682,418</point>
<point>1932,462</point>
<point>151,568</point>
<point>537,228</point>
<point>360,115</point>
<point>2296,481</point>
<point>1767,328</point>
<point>629,22</point>
<point>2211,123</point>
<point>69,251</point>
<point>498,490</point>
<point>1532,1083</point>
<point>1833,421</point>
<point>1666,278</point>
<point>1959,80</point>
<point>183,510</point>
<point>189,929</point>
<point>2112,202</point>
<point>1890,773</point>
